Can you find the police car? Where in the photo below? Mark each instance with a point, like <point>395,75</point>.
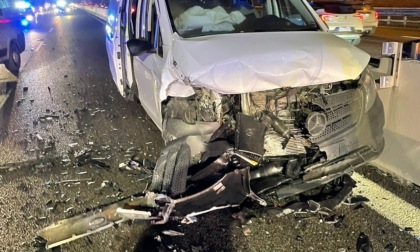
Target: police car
<point>12,38</point>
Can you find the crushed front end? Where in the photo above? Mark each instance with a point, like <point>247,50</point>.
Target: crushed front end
<point>223,149</point>
<point>284,141</point>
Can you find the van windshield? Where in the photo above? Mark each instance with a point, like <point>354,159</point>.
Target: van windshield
<point>191,18</point>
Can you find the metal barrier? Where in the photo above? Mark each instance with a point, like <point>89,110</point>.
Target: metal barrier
<point>404,16</point>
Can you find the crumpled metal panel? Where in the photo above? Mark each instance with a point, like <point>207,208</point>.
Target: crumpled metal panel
<point>267,61</point>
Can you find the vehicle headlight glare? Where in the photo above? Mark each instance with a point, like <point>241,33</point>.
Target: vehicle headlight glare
<point>30,18</point>
<point>369,86</point>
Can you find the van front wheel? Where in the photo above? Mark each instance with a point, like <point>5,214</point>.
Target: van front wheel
<point>13,64</point>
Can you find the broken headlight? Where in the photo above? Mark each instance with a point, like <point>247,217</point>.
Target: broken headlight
<point>368,83</point>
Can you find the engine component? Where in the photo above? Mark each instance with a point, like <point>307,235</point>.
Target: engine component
<point>268,119</point>
<point>293,168</point>
<point>250,134</point>
<point>266,171</point>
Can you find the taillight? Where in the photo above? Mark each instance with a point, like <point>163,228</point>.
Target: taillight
<point>5,21</point>
<point>359,16</point>
<point>376,15</point>
<point>327,17</point>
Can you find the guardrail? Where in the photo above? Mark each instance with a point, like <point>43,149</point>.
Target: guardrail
<point>96,11</point>
<point>404,16</point>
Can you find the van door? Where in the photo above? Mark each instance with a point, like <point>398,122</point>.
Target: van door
<point>119,30</point>
<point>148,66</point>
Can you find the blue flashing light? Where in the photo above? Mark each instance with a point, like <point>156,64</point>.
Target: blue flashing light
<point>24,22</point>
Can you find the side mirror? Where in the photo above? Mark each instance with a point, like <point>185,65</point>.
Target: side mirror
<point>138,46</point>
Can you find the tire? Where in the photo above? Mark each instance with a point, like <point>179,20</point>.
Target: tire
<point>13,63</point>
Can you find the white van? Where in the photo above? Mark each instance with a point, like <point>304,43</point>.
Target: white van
<point>253,98</point>
<point>255,101</point>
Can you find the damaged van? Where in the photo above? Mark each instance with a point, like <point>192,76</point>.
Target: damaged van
<point>253,98</point>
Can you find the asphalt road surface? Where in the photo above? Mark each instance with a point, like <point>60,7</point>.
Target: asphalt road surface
<point>64,104</point>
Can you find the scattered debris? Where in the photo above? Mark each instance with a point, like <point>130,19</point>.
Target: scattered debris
<point>363,243</point>
<point>390,247</point>
<point>68,209</point>
<point>299,238</point>
<point>172,233</point>
<point>246,231</point>
<point>407,229</point>
<point>189,220</point>
<point>98,163</point>
<point>48,183</point>
<point>72,145</point>
<point>106,183</point>
<point>337,221</point>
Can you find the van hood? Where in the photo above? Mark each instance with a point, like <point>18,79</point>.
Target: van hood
<point>252,62</point>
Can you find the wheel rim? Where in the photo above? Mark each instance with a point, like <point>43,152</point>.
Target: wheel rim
<point>15,57</point>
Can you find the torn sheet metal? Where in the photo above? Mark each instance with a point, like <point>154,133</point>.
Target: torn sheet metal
<point>82,225</point>
<point>267,61</point>
<point>229,191</point>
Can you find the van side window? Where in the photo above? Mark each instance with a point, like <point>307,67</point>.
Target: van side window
<point>150,25</point>
<point>133,19</point>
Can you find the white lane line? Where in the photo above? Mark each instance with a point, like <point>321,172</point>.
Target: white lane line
<point>43,40</point>
<point>410,37</point>
<point>388,204</point>
<point>39,46</point>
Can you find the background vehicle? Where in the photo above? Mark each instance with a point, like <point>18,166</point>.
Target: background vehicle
<point>27,13</point>
<point>12,39</point>
<point>370,20</point>
<point>341,19</point>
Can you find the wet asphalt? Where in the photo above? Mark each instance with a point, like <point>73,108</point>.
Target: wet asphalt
<point>66,104</point>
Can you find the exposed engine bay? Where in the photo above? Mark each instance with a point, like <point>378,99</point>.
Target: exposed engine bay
<point>276,134</point>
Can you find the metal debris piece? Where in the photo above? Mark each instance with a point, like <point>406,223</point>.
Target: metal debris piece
<point>96,162</point>
<point>72,145</point>
<point>133,214</point>
<point>337,221</point>
<point>313,206</point>
<point>390,247</point>
<point>172,233</point>
<point>299,238</point>
<point>356,199</point>
<point>106,183</point>
<point>407,229</point>
<point>189,220</point>
<point>246,231</point>
<point>68,209</point>
<point>39,138</point>
<point>363,243</point>
<point>67,181</point>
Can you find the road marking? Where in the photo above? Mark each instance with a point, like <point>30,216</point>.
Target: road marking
<point>410,37</point>
<point>39,46</point>
<point>51,29</point>
<point>389,205</point>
